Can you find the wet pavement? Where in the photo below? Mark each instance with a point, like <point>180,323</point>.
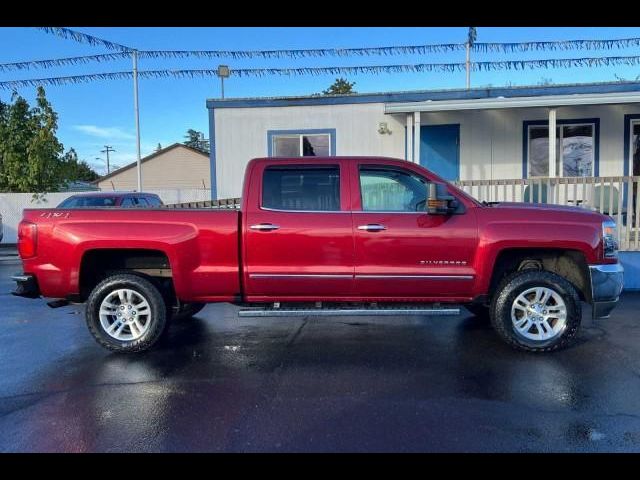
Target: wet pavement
<point>219,383</point>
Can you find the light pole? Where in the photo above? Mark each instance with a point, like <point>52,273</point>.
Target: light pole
<point>471,38</point>
<point>102,160</point>
<point>223,72</point>
<point>134,54</point>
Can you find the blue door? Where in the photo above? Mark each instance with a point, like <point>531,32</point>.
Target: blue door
<point>440,150</point>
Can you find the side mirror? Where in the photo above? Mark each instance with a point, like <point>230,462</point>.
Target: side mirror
<point>439,201</point>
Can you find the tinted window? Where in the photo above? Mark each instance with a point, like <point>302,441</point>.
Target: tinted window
<point>286,188</point>
<point>127,202</point>
<point>392,190</point>
<point>142,202</point>
<point>83,202</point>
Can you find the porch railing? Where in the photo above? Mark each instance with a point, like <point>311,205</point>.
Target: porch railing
<point>618,197</point>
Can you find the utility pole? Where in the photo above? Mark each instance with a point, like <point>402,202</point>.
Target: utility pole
<point>471,38</point>
<point>107,149</point>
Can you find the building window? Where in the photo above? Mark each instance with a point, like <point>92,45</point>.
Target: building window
<point>575,147</point>
<point>302,188</point>
<point>392,190</point>
<point>302,143</point>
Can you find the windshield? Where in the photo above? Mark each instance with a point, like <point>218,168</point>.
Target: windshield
<point>83,202</point>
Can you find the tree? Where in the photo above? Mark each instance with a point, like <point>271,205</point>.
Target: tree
<point>31,158</point>
<point>340,87</point>
<point>195,139</point>
<point>74,170</point>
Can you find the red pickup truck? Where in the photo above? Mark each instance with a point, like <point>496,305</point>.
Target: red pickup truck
<point>327,236</point>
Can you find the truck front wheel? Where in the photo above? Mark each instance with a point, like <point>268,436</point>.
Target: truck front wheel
<point>536,311</point>
<point>126,313</point>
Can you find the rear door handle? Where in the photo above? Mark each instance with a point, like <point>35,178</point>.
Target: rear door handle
<point>266,227</point>
<point>372,227</point>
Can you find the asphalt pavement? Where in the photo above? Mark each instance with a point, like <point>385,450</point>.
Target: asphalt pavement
<point>217,383</point>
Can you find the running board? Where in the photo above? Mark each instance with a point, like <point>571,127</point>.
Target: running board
<point>355,312</point>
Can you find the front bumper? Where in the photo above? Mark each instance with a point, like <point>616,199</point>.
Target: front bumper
<point>606,286</point>
<point>27,286</point>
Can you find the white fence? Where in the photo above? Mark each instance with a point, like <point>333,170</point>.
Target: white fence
<point>618,197</point>
<point>12,204</point>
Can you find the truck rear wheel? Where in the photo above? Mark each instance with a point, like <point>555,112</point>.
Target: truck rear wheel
<point>126,313</point>
<point>536,311</point>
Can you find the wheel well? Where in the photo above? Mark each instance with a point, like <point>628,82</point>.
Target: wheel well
<point>100,263</point>
<point>570,264</point>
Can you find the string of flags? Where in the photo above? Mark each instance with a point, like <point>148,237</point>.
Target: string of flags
<point>334,70</point>
<point>503,47</point>
<point>62,62</point>
<point>119,52</point>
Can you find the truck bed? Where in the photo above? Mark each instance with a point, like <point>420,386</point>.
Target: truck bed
<point>201,246</point>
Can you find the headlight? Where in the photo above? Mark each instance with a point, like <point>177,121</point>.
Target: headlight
<point>610,239</point>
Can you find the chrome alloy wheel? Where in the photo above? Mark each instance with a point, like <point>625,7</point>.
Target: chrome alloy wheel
<point>539,314</point>
<point>125,314</point>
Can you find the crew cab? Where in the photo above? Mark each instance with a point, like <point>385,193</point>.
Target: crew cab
<point>327,236</point>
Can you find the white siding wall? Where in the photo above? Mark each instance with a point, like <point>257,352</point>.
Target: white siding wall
<point>490,140</point>
<point>241,134</point>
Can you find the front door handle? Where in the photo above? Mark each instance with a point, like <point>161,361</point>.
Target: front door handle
<point>372,227</point>
<point>265,227</point>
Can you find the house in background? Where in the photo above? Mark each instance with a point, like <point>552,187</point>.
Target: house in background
<point>494,142</point>
<point>175,167</point>
<point>476,134</point>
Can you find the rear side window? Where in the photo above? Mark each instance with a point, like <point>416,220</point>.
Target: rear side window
<point>142,202</point>
<point>154,201</point>
<point>301,188</point>
<point>127,203</point>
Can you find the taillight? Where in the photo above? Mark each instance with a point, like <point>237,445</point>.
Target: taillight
<point>27,239</point>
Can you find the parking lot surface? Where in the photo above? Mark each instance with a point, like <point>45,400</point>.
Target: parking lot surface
<point>219,383</point>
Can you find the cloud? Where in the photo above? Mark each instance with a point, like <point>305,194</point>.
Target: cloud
<point>113,133</point>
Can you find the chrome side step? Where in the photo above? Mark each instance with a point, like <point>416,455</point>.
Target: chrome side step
<point>356,312</point>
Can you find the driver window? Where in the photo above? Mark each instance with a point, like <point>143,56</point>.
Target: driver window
<point>392,190</point>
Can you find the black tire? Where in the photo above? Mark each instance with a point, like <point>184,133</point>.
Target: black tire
<point>187,310</point>
<point>157,317</point>
<point>481,312</point>
<point>515,284</point>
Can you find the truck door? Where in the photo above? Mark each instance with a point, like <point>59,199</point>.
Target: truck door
<point>400,250</point>
<point>298,232</point>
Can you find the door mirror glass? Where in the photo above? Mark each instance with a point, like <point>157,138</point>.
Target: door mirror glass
<point>440,201</point>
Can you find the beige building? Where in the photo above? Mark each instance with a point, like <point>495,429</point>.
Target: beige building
<point>173,167</point>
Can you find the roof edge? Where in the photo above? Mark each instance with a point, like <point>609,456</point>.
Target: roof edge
<point>424,95</point>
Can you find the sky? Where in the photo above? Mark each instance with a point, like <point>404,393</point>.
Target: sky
<point>101,113</point>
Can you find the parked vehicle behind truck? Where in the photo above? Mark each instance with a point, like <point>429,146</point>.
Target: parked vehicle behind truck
<point>327,236</point>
